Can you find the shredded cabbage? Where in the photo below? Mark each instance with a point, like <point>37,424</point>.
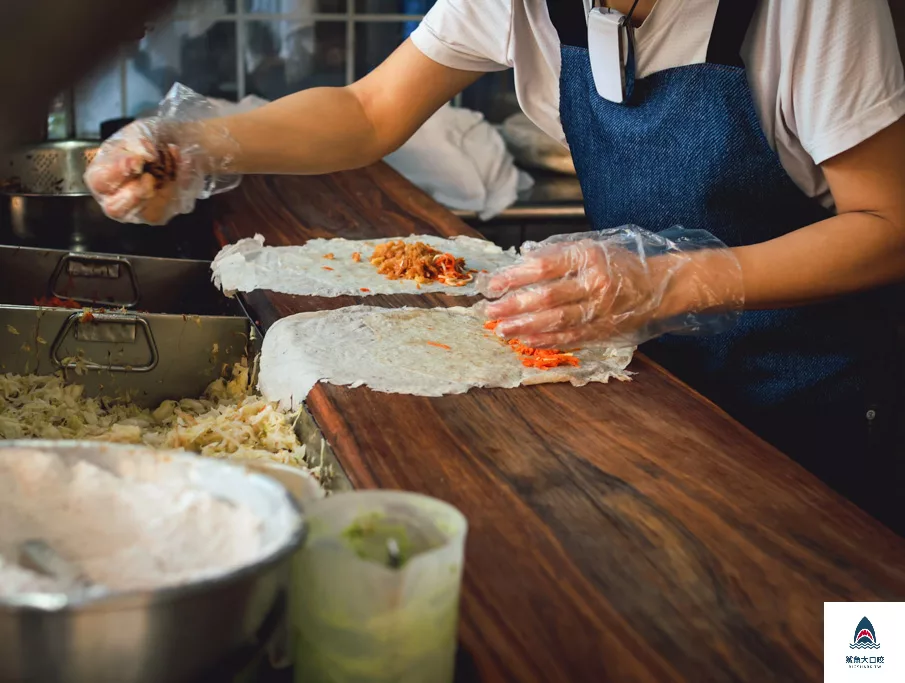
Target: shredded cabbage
<point>228,421</point>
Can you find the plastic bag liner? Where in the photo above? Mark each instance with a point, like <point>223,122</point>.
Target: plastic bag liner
<point>642,268</point>
<point>381,574</point>
<point>182,104</point>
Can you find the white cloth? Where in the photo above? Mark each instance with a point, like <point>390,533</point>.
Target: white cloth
<point>825,74</point>
<point>461,161</point>
<point>533,147</point>
<point>299,15</point>
<point>456,157</point>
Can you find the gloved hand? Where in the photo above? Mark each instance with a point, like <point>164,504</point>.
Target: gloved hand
<point>156,168</point>
<point>616,287</point>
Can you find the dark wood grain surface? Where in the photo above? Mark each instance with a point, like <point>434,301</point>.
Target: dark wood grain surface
<point>619,532</point>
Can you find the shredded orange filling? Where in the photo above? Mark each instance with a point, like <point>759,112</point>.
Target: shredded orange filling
<point>542,359</point>
<point>417,261</point>
<point>440,346</point>
<point>326,267</point>
<point>56,302</point>
<point>356,256</point>
<point>329,256</point>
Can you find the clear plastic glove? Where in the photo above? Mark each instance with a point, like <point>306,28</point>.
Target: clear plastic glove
<point>616,287</point>
<point>156,168</point>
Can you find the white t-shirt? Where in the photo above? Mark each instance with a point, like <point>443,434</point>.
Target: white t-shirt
<point>825,74</point>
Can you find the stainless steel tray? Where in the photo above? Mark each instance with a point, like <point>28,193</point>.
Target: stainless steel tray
<point>156,285</point>
<point>150,356</point>
<point>162,347</point>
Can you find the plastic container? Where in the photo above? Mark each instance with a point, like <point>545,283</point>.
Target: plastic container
<point>376,589</point>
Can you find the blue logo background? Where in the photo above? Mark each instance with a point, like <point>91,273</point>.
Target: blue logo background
<point>865,636</point>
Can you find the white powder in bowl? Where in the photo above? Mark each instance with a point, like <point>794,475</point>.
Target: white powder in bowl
<point>123,533</point>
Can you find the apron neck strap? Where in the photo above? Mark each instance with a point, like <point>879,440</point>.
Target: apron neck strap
<point>733,17</point>
<point>569,18</point>
<point>729,27</point>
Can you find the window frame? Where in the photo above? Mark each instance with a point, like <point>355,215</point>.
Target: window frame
<point>240,18</point>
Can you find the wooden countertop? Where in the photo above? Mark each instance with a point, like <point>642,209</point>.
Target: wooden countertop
<point>628,531</point>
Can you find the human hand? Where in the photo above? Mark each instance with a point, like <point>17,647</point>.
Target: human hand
<point>617,287</point>
<point>156,168</point>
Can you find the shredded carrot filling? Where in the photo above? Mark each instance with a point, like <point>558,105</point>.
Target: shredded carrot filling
<point>328,256</point>
<point>356,257</point>
<point>326,267</point>
<point>365,289</point>
<point>439,345</point>
<point>542,359</point>
<point>417,261</point>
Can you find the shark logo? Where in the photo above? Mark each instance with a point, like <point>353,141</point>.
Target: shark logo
<point>865,637</point>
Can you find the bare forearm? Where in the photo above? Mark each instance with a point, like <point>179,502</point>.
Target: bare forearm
<point>849,253</point>
<point>314,131</point>
<point>333,129</point>
<point>846,254</point>
<point>861,248</point>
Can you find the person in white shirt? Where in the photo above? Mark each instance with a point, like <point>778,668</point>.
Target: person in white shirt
<point>743,165</point>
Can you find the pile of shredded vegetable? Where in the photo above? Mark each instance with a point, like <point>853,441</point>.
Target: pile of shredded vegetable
<point>542,359</point>
<point>417,261</point>
<point>227,422</point>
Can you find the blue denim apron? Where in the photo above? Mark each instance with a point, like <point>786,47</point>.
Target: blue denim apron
<point>687,148</point>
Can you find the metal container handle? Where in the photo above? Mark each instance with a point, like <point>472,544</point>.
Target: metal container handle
<point>96,261</point>
<point>77,318</point>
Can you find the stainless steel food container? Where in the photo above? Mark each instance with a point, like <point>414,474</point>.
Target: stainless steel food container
<point>195,632</point>
<point>141,283</point>
<point>77,223</point>
<point>151,357</point>
<point>166,334</point>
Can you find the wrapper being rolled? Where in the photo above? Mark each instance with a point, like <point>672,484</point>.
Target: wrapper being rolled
<point>419,351</point>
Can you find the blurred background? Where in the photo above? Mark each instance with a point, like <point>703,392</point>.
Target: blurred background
<point>269,48</point>
<point>232,49</point>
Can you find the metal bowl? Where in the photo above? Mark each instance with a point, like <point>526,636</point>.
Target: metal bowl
<point>193,632</point>
<point>50,168</point>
